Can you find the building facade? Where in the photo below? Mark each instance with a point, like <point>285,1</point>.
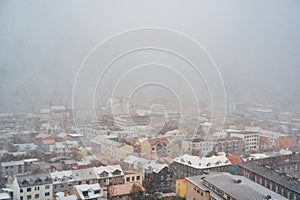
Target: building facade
<point>33,186</point>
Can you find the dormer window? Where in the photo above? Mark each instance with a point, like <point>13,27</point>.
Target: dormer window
<point>116,172</point>
<point>103,174</point>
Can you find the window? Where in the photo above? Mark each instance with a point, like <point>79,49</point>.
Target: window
<point>28,189</point>
<point>37,196</point>
<point>28,197</point>
<point>47,187</point>
<point>21,198</point>
<point>128,179</point>
<point>133,178</point>
<point>47,194</point>
<point>138,178</point>
<point>85,193</point>
<point>21,190</point>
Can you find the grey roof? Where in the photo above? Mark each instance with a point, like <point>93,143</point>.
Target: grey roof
<point>34,179</point>
<point>12,163</point>
<point>270,174</point>
<point>225,182</point>
<point>83,174</point>
<point>198,181</point>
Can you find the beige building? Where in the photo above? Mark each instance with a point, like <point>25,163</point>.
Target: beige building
<point>118,151</point>
<point>133,177</point>
<point>156,146</point>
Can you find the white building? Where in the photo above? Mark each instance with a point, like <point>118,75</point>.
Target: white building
<point>109,175</point>
<point>88,192</point>
<point>251,139</point>
<point>197,144</point>
<point>33,186</point>
<point>203,162</point>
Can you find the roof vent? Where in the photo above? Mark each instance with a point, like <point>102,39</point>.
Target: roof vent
<point>238,181</point>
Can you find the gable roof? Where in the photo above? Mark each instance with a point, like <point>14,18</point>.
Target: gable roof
<point>155,141</point>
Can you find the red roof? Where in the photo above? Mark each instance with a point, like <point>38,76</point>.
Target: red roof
<point>123,189</point>
<point>42,136</point>
<point>234,159</point>
<point>49,141</point>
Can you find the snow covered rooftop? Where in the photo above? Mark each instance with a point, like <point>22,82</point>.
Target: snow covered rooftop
<point>204,162</point>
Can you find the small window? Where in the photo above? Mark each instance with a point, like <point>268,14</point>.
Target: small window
<point>47,194</point>
<point>47,187</point>
<point>37,196</point>
<point>28,197</point>
<point>128,179</point>
<point>21,190</point>
<point>138,178</point>
<point>28,189</point>
<point>133,178</point>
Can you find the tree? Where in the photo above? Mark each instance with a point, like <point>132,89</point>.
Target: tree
<point>136,192</point>
<point>284,142</point>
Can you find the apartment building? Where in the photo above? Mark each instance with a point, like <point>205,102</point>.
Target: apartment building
<point>33,186</point>
<point>188,165</point>
<point>250,139</point>
<point>221,186</point>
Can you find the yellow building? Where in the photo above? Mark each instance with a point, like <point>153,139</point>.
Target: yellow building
<point>181,188</point>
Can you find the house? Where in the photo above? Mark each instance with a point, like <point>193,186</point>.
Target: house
<point>60,148</point>
<point>159,146</point>
<point>197,144</point>
<point>217,186</point>
<point>157,177</point>
<point>25,147</point>
<point>133,162</point>
<point>33,186</point>
<point>181,188</point>
<point>88,192</point>
<point>117,150</point>
<point>133,177</point>
<point>109,175</point>
<point>62,181</point>
<point>13,168</point>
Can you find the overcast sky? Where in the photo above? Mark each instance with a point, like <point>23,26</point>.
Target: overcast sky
<point>256,44</point>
